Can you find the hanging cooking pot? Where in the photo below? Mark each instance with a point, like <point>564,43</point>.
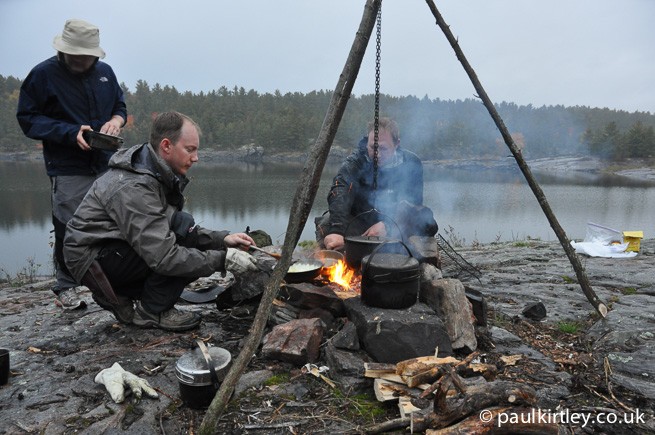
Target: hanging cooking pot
<point>200,373</point>
<point>357,247</point>
<point>390,280</point>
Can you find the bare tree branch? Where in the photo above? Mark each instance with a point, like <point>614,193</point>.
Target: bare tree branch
<point>583,280</point>
<point>302,203</point>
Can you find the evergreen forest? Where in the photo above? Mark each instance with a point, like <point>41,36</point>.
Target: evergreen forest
<point>432,128</point>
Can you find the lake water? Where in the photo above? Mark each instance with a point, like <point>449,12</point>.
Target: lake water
<point>470,205</point>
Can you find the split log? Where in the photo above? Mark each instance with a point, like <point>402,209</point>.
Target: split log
<point>428,376</point>
<point>521,423</point>
<point>388,373</point>
<point>387,390</point>
<point>399,380</point>
<point>375,370</point>
<point>410,367</point>
<point>422,370</point>
<point>406,407</point>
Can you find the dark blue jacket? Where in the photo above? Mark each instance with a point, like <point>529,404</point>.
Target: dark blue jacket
<point>352,190</point>
<point>54,103</point>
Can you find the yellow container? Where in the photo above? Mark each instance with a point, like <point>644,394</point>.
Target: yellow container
<point>633,239</point>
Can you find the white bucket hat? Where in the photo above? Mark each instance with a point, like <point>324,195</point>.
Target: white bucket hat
<point>79,38</point>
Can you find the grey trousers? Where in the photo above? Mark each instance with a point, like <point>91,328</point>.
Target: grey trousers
<point>67,192</point>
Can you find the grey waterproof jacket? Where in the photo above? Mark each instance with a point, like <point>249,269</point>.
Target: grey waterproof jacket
<point>135,201</point>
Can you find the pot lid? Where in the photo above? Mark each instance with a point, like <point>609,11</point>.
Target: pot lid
<point>385,263</point>
<point>191,368</point>
<point>202,296</point>
<point>373,240</point>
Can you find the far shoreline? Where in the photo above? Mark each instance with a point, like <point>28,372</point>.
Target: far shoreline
<point>637,169</point>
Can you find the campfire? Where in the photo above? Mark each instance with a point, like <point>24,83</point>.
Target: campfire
<point>345,277</point>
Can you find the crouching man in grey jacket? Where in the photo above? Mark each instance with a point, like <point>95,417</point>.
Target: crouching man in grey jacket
<point>130,240</point>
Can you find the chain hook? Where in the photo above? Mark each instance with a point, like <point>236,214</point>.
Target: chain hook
<point>376,116</point>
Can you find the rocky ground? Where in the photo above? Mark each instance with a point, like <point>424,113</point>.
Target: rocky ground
<point>575,360</point>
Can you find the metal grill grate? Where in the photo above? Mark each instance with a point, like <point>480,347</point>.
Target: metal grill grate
<point>453,264</point>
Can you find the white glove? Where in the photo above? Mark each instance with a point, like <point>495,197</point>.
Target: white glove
<point>238,261</point>
<point>115,378</point>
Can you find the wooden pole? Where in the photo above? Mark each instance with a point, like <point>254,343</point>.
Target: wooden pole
<point>525,169</point>
<point>300,209</point>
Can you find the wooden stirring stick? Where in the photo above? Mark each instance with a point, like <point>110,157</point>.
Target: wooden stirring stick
<point>272,254</point>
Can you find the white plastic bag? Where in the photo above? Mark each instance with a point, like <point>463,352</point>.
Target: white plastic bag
<point>602,241</point>
<point>595,249</point>
<point>600,234</point>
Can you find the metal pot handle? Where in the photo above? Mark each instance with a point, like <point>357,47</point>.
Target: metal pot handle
<point>375,251</point>
<point>379,213</point>
<point>210,364</point>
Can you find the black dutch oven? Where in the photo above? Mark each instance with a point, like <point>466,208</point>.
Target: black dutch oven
<point>358,247</point>
<point>390,280</point>
<point>200,373</point>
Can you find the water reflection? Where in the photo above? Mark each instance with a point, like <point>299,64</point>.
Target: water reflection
<point>479,205</point>
<point>24,195</point>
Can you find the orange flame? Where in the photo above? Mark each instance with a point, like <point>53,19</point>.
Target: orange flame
<point>341,274</point>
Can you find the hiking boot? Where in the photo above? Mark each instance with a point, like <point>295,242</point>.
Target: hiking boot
<point>171,320</point>
<point>124,311</point>
<point>69,300</point>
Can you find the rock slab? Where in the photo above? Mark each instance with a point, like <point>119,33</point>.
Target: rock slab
<point>390,336</point>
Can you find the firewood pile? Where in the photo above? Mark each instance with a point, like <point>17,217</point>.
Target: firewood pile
<point>449,396</point>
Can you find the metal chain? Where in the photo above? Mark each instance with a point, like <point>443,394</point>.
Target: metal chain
<point>376,117</point>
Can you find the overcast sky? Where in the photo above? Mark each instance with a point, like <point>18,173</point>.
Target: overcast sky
<point>597,53</point>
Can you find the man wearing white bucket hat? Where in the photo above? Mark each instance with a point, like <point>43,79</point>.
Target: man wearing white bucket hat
<point>61,98</point>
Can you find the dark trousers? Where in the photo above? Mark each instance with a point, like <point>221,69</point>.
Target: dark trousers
<point>130,276</point>
<point>322,223</point>
<point>408,220</point>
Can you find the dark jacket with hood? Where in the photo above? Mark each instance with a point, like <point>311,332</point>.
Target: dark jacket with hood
<point>54,103</point>
<point>352,191</point>
<point>136,201</point>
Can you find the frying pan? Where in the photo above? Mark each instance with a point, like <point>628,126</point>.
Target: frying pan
<point>309,273</point>
<point>102,141</point>
<point>313,269</point>
<point>328,257</point>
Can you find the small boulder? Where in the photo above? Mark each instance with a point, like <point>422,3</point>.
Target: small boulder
<point>297,342</point>
<point>535,311</point>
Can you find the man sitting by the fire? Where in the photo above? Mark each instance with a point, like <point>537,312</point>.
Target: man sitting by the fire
<point>357,207</point>
<point>131,226</point>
